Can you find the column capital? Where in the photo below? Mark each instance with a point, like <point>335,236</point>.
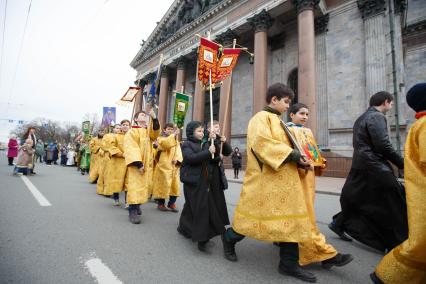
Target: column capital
<point>165,71</point>
<point>321,24</point>
<point>261,22</point>
<point>181,63</point>
<point>302,5</point>
<point>226,38</point>
<point>370,8</point>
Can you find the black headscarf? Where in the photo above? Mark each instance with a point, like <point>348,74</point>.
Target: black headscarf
<point>416,97</point>
<point>190,128</point>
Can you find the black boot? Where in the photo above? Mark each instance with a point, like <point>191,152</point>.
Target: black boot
<point>338,260</point>
<point>134,217</point>
<point>376,279</point>
<point>229,249</point>
<point>339,232</point>
<point>297,272</point>
<point>202,246</point>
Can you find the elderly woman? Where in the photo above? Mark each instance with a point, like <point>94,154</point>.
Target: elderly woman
<point>12,151</point>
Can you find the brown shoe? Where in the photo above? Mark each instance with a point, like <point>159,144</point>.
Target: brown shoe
<point>172,207</point>
<point>162,208</point>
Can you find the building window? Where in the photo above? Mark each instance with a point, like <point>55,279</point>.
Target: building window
<point>292,83</point>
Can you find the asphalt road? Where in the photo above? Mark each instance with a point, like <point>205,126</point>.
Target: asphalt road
<point>83,238</point>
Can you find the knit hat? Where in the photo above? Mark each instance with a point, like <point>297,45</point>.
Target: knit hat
<point>416,97</point>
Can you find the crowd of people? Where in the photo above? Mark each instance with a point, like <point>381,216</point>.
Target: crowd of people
<point>148,161</point>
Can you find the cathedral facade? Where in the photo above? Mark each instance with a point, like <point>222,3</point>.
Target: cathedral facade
<point>334,54</point>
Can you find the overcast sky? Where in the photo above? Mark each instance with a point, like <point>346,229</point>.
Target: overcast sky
<point>75,56</point>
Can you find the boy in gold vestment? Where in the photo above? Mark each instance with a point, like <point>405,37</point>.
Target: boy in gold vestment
<point>272,206</point>
<point>139,160</point>
<point>95,146</point>
<point>166,172</point>
<point>406,263</point>
<point>316,249</point>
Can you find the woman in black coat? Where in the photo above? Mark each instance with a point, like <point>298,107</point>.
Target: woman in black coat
<point>204,214</point>
<point>236,161</point>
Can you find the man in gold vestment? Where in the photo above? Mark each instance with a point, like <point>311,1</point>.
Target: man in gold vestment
<point>139,160</point>
<point>406,263</point>
<point>272,206</point>
<point>166,172</point>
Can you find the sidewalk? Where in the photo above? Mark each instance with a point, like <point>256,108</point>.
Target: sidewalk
<point>325,185</point>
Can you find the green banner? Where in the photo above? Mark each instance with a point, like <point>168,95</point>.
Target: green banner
<point>86,129</point>
<point>181,107</point>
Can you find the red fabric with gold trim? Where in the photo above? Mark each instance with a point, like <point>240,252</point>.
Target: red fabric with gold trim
<point>227,62</point>
<point>207,59</point>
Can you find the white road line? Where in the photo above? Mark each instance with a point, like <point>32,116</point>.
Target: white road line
<point>37,194</point>
<point>101,272</point>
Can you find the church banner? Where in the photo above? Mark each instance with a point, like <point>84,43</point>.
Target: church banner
<point>181,107</point>
<point>207,60</point>
<point>227,62</point>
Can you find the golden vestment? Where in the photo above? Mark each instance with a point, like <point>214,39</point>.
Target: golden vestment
<point>166,175</point>
<point>316,249</point>
<point>138,148</point>
<point>407,262</point>
<point>115,172</point>
<point>94,145</point>
<point>271,206</point>
<point>103,159</point>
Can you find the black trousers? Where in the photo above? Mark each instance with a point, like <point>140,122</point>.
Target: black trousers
<point>289,252</point>
<point>172,200</point>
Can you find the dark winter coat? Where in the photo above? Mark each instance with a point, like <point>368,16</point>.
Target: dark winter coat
<point>205,213</point>
<point>372,147</point>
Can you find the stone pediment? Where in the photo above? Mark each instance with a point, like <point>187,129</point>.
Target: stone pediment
<point>181,15</point>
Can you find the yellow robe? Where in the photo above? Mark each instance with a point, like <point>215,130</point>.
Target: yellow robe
<point>103,159</point>
<point>271,206</point>
<point>116,168</point>
<point>138,148</point>
<point>316,249</point>
<point>94,145</point>
<point>166,175</point>
<point>407,262</point>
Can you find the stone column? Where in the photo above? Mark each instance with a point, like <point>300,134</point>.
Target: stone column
<point>226,90</point>
<point>180,73</point>
<point>373,12</point>
<point>306,70</point>
<point>321,79</point>
<point>164,94</point>
<point>260,23</point>
<point>199,100</point>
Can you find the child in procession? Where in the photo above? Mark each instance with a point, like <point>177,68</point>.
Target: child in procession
<point>25,158</point>
<point>166,172</point>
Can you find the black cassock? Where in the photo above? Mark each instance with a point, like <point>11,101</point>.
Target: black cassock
<point>204,214</point>
<point>374,209</point>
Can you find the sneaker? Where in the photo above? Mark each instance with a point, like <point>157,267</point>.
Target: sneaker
<point>162,208</point>
<point>116,202</point>
<point>338,260</point>
<point>134,218</point>
<point>172,207</point>
<point>297,272</point>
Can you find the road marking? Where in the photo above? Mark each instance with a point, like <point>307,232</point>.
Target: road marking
<point>101,272</point>
<point>37,194</point>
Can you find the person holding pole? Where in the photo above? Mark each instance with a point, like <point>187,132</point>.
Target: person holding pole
<point>139,160</point>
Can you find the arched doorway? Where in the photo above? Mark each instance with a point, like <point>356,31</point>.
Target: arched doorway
<point>292,83</point>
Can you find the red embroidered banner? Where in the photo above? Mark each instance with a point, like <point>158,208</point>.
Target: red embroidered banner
<point>227,62</point>
<point>207,60</point>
